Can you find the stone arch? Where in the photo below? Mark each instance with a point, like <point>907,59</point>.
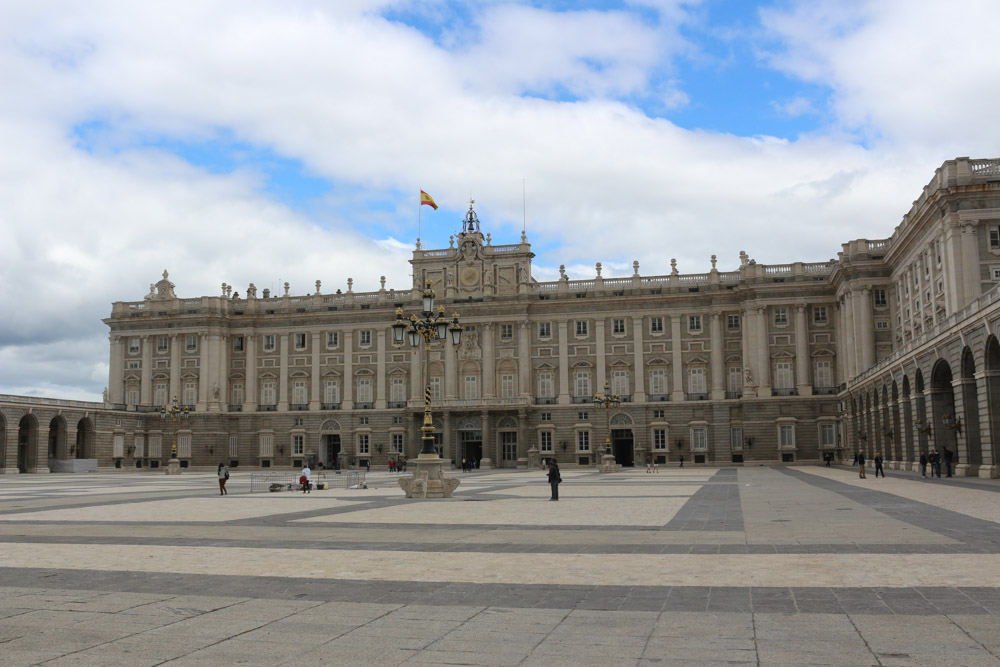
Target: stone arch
<point>943,408</point>
<point>330,426</point>
<point>906,423</point>
<point>621,419</point>
<point>969,431</point>
<point>27,443</point>
<point>3,442</point>
<point>895,424</point>
<point>84,448</point>
<point>57,438</point>
<point>507,423</point>
<point>992,372</point>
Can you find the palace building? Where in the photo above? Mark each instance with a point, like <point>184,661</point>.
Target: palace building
<point>891,348</point>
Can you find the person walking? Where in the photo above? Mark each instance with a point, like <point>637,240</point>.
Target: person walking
<point>923,464</point>
<point>878,466</point>
<point>682,461</point>
<point>305,479</point>
<point>649,464</point>
<point>861,465</point>
<point>949,456</point>
<point>554,479</point>
<point>656,465</point>
<point>935,460</point>
<point>223,476</point>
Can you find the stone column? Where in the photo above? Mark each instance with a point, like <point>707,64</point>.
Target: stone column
<point>802,360</point>
<point>564,386</point>
<point>348,388</point>
<point>416,377</point>
<point>116,375</point>
<point>970,267</point>
<point>602,363</point>
<point>314,380</point>
<point>638,345</point>
<point>763,354</point>
<point>522,439</point>
<point>250,386</point>
<point>146,385</point>
<point>748,343</point>
<point>450,370</point>
<point>676,358</point>
<point>849,342</point>
<point>717,358</point>
<point>380,378</point>
<point>486,463</point>
<point>864,304</point>
<point>283,372</point>
<point>524,360</point>
<point>489,364</point>
<point>175,368</point>
<point>204,372</point>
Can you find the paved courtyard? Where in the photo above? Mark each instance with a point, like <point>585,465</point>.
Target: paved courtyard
<point>755,566</point>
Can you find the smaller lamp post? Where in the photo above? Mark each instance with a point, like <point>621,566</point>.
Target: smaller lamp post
<point>607,400</point>
<point>175,412</point>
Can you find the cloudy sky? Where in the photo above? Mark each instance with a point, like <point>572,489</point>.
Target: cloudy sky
<point>250,141</point>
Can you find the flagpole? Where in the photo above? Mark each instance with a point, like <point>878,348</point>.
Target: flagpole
<point>420,208</point>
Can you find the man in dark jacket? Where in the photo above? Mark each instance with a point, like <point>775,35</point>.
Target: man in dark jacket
<point>554,479</point>
<point>949,456</point>
<point>878,466</point>
<point>861,465</point>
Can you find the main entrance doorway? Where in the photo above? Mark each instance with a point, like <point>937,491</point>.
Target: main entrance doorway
<point>330,452</point>
<point>470,446</point>
<point>622,446</point>
<point>508,449</point>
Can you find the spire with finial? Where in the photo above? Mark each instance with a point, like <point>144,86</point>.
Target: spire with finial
<point>470,224</point>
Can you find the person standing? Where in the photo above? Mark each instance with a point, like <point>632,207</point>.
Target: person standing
<point>554,479</point>
<point>223,476</point>
<point>948,458</point>
<point>923,464</point>
<point>935,460</point>
<point>305,479</point>
<point>861,465</point>
<point>656,465</point>
<point>878,466</point>
<point>682,461</point>
<point>649,464</point>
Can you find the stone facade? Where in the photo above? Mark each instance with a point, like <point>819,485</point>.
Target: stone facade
<point>757,365</point>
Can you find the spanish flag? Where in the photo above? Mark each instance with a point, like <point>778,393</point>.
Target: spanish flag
<point>428,200</point>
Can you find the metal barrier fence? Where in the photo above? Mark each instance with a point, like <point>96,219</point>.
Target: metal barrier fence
<point>289,481</point>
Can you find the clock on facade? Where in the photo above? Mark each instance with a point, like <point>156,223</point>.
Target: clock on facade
<point>470,276</point>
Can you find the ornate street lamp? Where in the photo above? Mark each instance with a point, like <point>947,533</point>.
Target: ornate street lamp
<point>175,412</point>
<point>607,400</point>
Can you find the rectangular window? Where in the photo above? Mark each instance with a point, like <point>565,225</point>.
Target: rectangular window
<point>881,324</point>
<point>787,433</point>
<point>363,421</point>
<point>658,381</point>
<point>996,276</point>
<point>781,316</point>
<point>300,341</point>
<point>733,322</point>
<point>436,388</point>
<point>819,314</point>
<point>694,323</point>
<point>118,448</point>
<point>397,390</point>
<point>827,435</point>
<point>133,346</point>
<point>397,443</point>
<point>659,439</point>
<point>363,443</point>
<point>880,298</point>
<point>268,342</point>
<point>160,394</point>
<point>299,394</point>
<point>783,375</point>
<point>155,446</point>
<point>364,390</point>
<point>696,380</point>
<point>471,387</point>
<point>699,439</point>
<point>656,325</point>
<point>619,382</point>
<point>234,446</point>
<point>994,237</point>
<point>507,332</point>
<point>736,438</point>
<point>267,394</point>
<point>190,394</point>
<point>582,385</point>
<point>331,391</point>
<point>184,445</point>
<point>266,445</point>
<point>545,442</point>
<point>581,416</point>
<point>824,374</point>
<point>192,343</point>
<point>298,445</point>
<point>583,441</point>
<point>545,330</point>
<point>506,386</point>
<point>545,417</point>
<point>618,327</point>
<point>162,344</point>
<point>396,419</point>
<point>332,339</point>
<point>659,414</point>
<point>365,338</point>
<point>546,386</point>
<point>140,446</point>
<point>734,383</point>
<point>581,327</point>
<point>236,393</point>
<point>237,343</point>
<point>132,397</point>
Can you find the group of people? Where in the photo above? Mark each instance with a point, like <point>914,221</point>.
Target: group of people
<point>468,465</point>
<point>397,465</point>
<point>652,464</point>
<point>935,459</point>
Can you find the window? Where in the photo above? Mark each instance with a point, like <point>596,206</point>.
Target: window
<point>397,390</point>
<point>298,445</point>
<point>363,421</point>
<point>331,391</point>
<point>132,397</point>
<point>192,343</point>
<point>733,322</point>
<point>364,390</point>
<point>471,387</point>
<point>300,341</point>
<point>162,344</point>
<point>545,330</point>
<point>133,346</point>
<point>736,438</point>
<point>618,327</point>
<point>880,298</point>
<point>365,337</point>
<point>783,375</point>
<point>780,316</point>
<point>190,394</point>
<point>299,395</point>
<point>507,332</point>
<point>545,417</point>
<point>583,441</point>
<point>237,343</point>
<point>658,381</point>
<point>134,365</point>
<point>694,323</point>
<point>582,384</point>
<point>734,382</point>
<point>546,386</point>
<point>267,395</point>
<point>545,441</point>
<point>827,435</point>
<point>699,439</point>
<point>236,393</point>
<point>234,446</point>
<point>996,276</point>
<point>581,327</point>
<point>160,393</point>
<point>332,339</point>
<point>362,443</point>
<point>581,416</point>
<point>184,445</point>
<point>994,237</point>
<point>266,444</point>
<point>436,388</point>
<point>824,373</point>
<point>397,443</point>
<point>787,436</point>
<point>140,442</point>
<point>882,324</point>
<point>396,419</point>
<point>656,325</point>
<point>696,380</point>
<point>268,342</point>
<point>659,414</point>
<point>619,382</point>
<point>507,385</point>
<point>819,315</point>
<point>155,446</point>
<point>659,439</point>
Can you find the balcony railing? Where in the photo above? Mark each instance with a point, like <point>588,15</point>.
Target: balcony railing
<point>366,405</point>
<point>734,394</point>
<point>545,400</point>
<point>329,406</point>
<point>267,408</point>
<point>397,404</point>
<point>583,399</point>
<point>658,398</point>
<point>234,408</point>
<point>697,396</point>
<point>298,406</point>
<point>785,391</point>
<point>825,391</point>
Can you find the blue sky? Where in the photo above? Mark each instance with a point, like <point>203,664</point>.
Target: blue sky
<point>241,142</point>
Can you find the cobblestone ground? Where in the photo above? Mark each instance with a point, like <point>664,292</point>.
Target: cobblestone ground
<point>756,566</point>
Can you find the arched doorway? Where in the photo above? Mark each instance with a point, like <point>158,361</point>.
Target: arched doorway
<point>896,437</point>
<point>470,440</point>
<point>84,448</point>
<point>507,441</point>
<point>622,443</point>
<point>330,445</point>
<point>943,410</point>
<point>969,426</point>
<point>992,370</point>
<point>57,438</point>
<point>27,444</point>
<point>921,422</point>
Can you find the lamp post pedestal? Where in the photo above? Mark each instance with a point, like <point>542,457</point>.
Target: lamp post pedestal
<point>428,479</point>
<point>608,463</point>
<point>173,467</point>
